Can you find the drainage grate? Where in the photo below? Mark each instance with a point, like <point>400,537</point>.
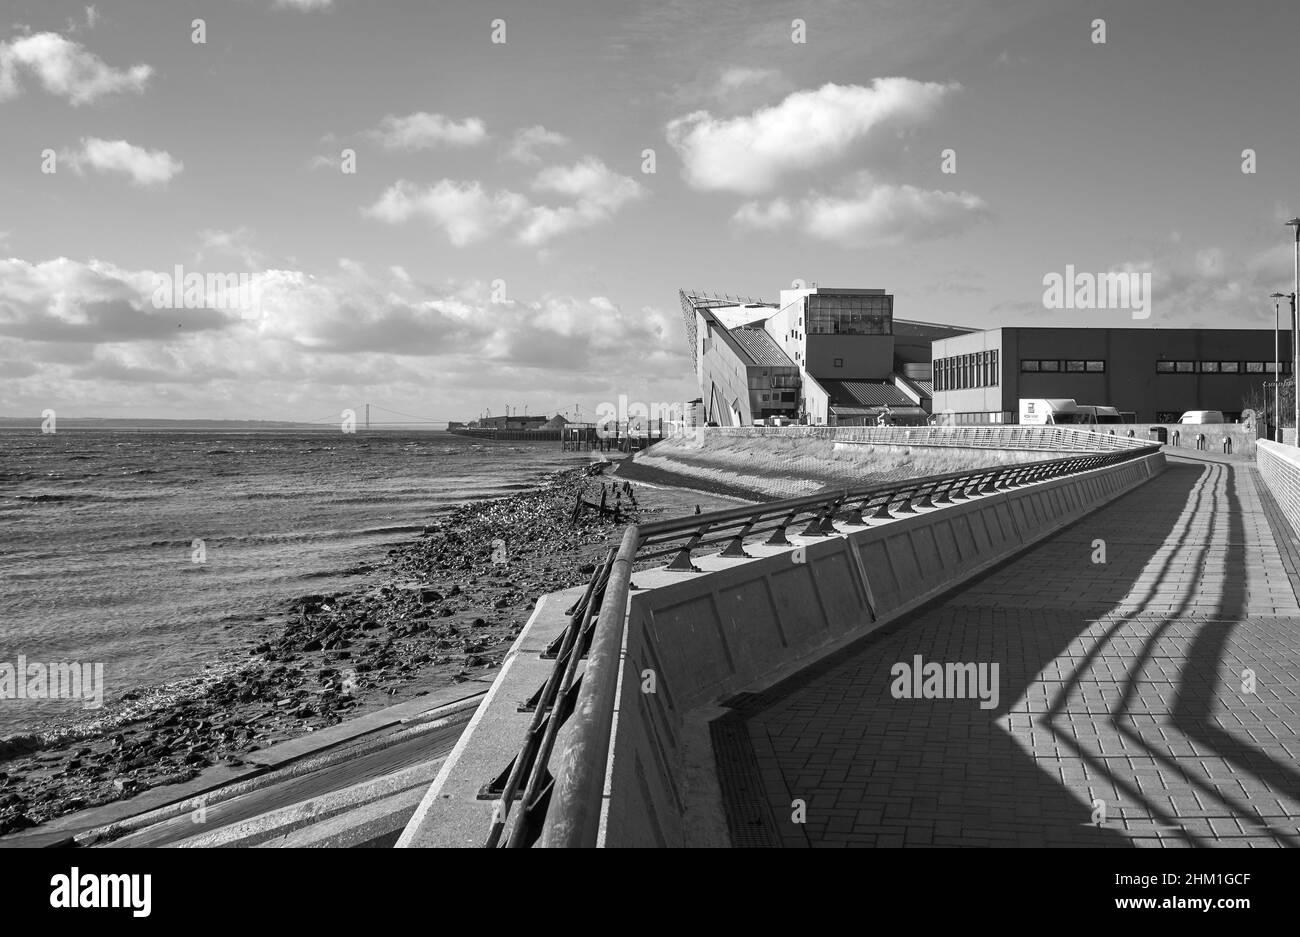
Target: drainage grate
<point>744,799</point>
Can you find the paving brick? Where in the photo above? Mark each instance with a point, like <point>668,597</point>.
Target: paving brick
<point>1118,682</point>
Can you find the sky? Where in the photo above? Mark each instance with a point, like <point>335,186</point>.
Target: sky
<point>450,208</point>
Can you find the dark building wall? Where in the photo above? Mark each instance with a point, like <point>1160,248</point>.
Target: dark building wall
<point>1131,379</point>
<point>864,356</point>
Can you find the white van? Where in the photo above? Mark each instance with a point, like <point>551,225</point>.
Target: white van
<point>1053,411</point>
<point>1102,415</point>
<point>1202,416</point>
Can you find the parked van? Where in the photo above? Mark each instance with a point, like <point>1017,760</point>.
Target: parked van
<point>1055,411</point>
<point>1202,416</point>
<point>1103,414</point>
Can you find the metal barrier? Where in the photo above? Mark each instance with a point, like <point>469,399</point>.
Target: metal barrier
<point>564,811</point>
<point>1052,438</point>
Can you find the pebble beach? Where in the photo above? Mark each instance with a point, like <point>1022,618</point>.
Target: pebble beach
<point>440,609</point>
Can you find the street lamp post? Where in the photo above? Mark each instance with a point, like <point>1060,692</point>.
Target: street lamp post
<point>1294,224</point>
<point>1277,371</point>
<point>1295,360</point>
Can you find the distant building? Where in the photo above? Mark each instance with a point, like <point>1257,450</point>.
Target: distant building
<point>511,422</point>
<point>822,356</point>
<point>556,422</point>
<point>1156,374</point>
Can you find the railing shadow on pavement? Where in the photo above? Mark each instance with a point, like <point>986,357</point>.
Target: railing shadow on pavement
<point>564,810</point>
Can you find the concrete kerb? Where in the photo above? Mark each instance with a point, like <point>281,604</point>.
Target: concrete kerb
<point>294,758</point>
<point>451,813</point>
<point>286,820</point>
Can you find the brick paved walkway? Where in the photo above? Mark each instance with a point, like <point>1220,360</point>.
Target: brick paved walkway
<point>1119,682</point>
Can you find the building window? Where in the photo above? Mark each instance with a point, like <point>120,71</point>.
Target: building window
<point>996,376</point>
<point>1029,364</point>
<point>1164,367</point>
<point>1230,367</point>
<point>839,362</point>
<point>1074,366</point>
<point>1096,367</point>
<point>1046,365</point>
<point>1185,367</point>
<point>1209,367</point>
<point>1254,367</point>
<point>850,314</point>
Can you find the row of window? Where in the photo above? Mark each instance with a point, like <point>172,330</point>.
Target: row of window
<point>1219,367</point>
<point>1094,366</point>
<point>960,372</point>
<point>1081,365</point>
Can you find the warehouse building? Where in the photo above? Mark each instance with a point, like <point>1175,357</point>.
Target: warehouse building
<point>1155,374</point>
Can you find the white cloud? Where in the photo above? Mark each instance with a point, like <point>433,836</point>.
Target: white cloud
<point>526,143</point>
<point>769,216</point>
<point>65,68</point>
<point>736,78</point>
<point>88,331</point>
<point>145,167</point>
<point>467,212</point>
<point>237,243</point>
<point>464,211</point>
<point>806,130</point>
<point>870,214</point>
<point>598,192</point>
<point>423,131</point>
<point>302,4</point>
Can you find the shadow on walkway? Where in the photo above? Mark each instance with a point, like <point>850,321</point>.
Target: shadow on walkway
<point>1109,692</point>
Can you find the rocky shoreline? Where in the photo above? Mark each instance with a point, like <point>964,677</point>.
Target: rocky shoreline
<point>435,611</point>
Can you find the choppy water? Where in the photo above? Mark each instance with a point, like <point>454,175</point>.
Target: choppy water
<point>97,529</point>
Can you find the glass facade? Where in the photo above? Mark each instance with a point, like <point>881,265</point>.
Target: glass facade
<point>850,314</point>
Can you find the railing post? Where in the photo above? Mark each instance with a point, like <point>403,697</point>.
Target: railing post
<point>882,512</point>
<point>736,547</point>
<point>778,538</point>
<point>682,561</point>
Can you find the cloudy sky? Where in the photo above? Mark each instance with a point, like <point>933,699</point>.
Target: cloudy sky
<point>438,223</point>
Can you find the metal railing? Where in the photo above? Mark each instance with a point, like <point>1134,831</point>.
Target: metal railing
<point>1053,438</point>
<point>564,811</point>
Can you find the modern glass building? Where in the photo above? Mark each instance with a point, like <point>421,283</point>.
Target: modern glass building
<point>820,355</point>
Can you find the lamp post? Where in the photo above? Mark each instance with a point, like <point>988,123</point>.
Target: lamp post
<point>1295,359</point>
<point>1277,371</point>
<point>1294,224</point>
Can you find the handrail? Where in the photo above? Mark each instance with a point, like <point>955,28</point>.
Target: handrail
<point>580,768</point>
<point>572,805</point>
<point>993,436</point>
